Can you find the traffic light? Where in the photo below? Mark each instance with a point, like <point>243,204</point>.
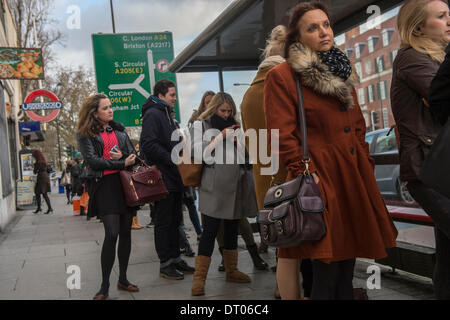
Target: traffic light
<point>69,150</point>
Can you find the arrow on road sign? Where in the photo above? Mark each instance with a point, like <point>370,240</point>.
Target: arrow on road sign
<point>135,85</point>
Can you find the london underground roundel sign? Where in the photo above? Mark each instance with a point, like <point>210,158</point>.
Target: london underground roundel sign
<point>31,107</point>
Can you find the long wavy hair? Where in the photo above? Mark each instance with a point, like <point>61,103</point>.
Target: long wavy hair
<point>411,17</point>
<point>201,107</point>
<point>37,154</point>
<point>88,125</point>
<point>218,100</point>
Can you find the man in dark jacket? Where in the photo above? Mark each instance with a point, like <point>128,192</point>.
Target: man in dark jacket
<point>156,146</point>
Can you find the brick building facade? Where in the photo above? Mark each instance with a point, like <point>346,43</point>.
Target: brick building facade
<point>372,53</point>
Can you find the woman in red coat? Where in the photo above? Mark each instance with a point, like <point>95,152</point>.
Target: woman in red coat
<point>358,223</point>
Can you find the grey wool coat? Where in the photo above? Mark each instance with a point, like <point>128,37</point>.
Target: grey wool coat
<point>227,191</point>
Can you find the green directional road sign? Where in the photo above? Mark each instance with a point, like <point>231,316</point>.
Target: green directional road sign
<point>127,66</point>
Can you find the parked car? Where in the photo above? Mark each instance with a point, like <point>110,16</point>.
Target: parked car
<point>380,142</point>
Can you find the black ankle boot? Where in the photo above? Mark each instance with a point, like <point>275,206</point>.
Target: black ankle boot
<point>37,210</point>
<point>259,263</point>
<point>49,210</point>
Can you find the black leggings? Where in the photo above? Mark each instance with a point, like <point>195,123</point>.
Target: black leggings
<point>115,226</point>
<point>210,229</point>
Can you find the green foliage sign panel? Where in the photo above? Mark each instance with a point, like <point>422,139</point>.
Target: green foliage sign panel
<point>127,66</point>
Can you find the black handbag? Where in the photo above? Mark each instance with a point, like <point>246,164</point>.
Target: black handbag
<point>435,171</point>
<point>292,213</point>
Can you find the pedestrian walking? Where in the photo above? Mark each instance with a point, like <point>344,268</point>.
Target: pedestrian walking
<point>66,180</point>
<point>156,146</point>
<point>42,181</point>
<point>424,28</point>
<point>107,149</point>
<point>357,221</point>
<point>227,189</point>
<point>76,173</point>
<point>189,198</point>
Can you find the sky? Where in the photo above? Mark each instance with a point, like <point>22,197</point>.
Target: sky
<point>186,19</point>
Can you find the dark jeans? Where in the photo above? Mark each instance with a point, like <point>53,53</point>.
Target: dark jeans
<point>193,215</point>
<point>244,229</point>
<point>68,192</point>
<point>210,228</point>
<point>437,206</point>
<point>333,281</point>
<point>168,217</point>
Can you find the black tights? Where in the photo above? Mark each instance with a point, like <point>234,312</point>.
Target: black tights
<point>46,198</point>
<point>115,226</point>
<point>210,229</point>
<point>333,281</point>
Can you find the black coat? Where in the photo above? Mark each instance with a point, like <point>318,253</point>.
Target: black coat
<point>155,142</point>
<point>412,74</point>
<point>92,150</point>
<point>77,186</point>
<point>43,180</point>
<point>439,95</point>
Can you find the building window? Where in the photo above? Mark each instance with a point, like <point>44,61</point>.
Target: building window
<point>387,36</point>
<point>358,69</point>
<point>379,64</point>
<point>370,93</point>
<point>349,52</point>
<point>368,67</point>
<point>361,97</point>
<point>393,55</point>
<point>382,90</point>
<point>372,40</point>
<point>359,48</point>
<point>385,118</point>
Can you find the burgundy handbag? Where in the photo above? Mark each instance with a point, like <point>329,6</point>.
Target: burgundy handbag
<point>142,185</point>
<point>292,213</point>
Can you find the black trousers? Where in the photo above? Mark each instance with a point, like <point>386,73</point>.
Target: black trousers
<point>210,228</point>
<point>437,206</point>
<point>168,215</point>
<point>333,281</point>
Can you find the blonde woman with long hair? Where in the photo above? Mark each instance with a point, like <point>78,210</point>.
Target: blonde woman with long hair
<point>424,28</point>
<point>226,192</point>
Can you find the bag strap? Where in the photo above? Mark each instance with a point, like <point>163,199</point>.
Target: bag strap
<point>302,121</point>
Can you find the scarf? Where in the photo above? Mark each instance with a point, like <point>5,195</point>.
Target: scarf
<point>337,62</point>
<point>218,123</point>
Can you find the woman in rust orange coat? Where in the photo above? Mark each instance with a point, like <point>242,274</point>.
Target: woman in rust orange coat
<point>358,223</point>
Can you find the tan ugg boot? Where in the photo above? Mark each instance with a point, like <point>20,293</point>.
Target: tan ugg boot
<point>230,258</point>
<point>201,270</point>
<point>136,225</point>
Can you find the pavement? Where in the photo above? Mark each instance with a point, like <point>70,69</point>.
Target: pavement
<point>38,250</point>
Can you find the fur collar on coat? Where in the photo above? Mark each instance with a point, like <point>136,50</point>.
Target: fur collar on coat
<point>316,75</point>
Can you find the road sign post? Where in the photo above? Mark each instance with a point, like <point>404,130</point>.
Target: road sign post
<point>127,66</point>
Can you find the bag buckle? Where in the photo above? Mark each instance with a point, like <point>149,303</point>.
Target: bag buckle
<point>306,163</point>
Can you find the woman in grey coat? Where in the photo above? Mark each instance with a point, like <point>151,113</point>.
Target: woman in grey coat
<point>227,190</point>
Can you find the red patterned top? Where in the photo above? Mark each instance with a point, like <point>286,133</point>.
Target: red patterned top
<point>109,140</point>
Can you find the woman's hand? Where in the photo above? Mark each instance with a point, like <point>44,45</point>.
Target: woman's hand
<point>316,178</point>
<point>130,160</point>
<point>115,154</point>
